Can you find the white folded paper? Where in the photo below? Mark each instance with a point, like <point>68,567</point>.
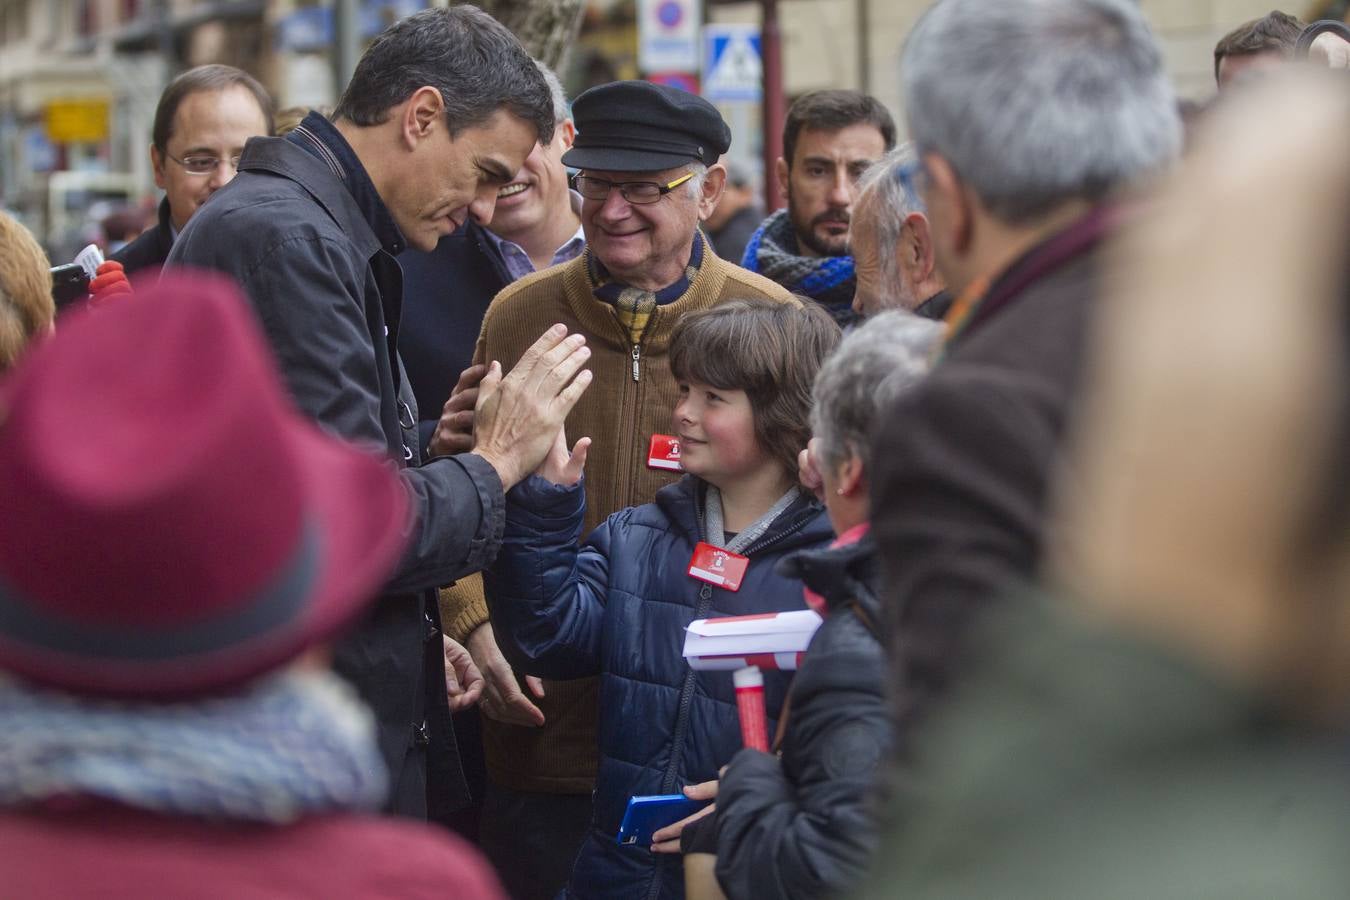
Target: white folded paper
<point>89,259</point>
<point>770,641</point>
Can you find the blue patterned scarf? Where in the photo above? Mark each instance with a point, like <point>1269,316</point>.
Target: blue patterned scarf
<point>294,744</point>
<point>829,280</point>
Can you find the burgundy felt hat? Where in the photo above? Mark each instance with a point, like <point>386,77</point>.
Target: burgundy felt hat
<point>171,524</point>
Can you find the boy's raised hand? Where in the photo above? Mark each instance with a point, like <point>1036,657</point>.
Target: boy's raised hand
<point>517,414</point>
<point>561,467</point>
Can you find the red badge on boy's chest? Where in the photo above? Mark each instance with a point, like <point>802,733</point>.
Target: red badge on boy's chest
<point>717,566</point>
<point>664,453</point>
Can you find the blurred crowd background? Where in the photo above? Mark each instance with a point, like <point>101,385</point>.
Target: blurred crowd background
<point>79,79</point>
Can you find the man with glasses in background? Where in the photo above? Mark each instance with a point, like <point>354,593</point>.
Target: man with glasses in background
<point>649,176</point>
<point>203,119</point>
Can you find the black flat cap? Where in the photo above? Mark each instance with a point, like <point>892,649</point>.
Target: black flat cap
<point>637,126</point>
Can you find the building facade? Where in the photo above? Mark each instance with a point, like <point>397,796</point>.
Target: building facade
<point>79,79</point>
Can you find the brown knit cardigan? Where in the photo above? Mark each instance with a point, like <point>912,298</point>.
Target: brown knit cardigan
<point>619,413</point>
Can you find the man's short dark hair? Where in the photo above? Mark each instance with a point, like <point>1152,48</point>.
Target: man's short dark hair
<point>1274,33</point>
<point>201,80</point>
<point>831,111</point>
<point>477,65</point>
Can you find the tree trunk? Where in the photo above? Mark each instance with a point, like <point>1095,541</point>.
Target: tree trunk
<point>547,28</point>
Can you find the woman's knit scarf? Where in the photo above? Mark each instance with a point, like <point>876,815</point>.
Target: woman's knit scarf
<point>293,745</point>
<point>829,280</point>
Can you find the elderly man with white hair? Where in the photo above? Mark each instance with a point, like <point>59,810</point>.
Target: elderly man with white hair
<point>1030,117</point>
<point>893,258</point>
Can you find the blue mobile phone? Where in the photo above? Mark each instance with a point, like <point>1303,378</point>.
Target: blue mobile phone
<point>646,815</point>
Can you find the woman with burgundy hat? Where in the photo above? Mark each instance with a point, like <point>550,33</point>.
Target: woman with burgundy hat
<point>170,727</point>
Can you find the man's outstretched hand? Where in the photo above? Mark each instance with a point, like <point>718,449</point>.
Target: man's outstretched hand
<point>518,415</point>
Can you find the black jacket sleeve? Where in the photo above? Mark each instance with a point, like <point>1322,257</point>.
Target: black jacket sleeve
<point>310,295</point>
<point>803,827</point>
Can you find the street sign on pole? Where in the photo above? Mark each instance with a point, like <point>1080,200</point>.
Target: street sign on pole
<point>83,120</point>
<point>732,69</point>
<point>668,35</point>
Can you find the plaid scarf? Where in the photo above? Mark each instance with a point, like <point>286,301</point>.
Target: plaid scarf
<point>295,744</point>
<point>829,280</point>
<point>633,307</point>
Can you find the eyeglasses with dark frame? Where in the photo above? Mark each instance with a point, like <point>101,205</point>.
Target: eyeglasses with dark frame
<point>203,165</point>
<point>639,192</point>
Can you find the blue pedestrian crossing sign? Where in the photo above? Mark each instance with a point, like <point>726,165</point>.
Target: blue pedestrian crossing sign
<point>732,69</point>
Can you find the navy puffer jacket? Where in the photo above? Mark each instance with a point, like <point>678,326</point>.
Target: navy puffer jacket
<point>618,608</point>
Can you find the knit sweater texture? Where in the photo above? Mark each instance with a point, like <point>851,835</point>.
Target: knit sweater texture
<point>619,413</point>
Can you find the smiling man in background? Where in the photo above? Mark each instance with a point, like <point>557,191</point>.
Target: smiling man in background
<point>203,119</point>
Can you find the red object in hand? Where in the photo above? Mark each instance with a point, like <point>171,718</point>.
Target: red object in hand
<point>109,281</point>
<point>750,704</point>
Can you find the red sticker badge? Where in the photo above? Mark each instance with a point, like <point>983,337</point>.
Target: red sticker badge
<point>717,566</point>
<point>664,453</point>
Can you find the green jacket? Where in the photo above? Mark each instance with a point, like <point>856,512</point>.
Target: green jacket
<point>1081,763</point>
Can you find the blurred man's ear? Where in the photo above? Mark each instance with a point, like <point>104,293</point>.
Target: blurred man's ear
<point>950,208</point>
<point>157,166</point>
<point>781,170</point>
<point>567,133</point>
<point>914,248</point>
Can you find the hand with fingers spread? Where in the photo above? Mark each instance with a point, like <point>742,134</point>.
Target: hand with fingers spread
<point>561,467</point>
<point>667,840</point>
<point>463,681</point>
<point>454,432</point>
<point>518,416</point>
<point>503,700</point>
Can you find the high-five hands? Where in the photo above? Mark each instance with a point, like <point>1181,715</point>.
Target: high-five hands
<point>517,417</point>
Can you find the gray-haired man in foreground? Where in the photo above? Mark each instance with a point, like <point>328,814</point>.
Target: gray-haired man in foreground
<point>1031,115</point>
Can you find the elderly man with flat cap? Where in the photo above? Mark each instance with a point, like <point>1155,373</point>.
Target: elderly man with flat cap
<point>649,176</point>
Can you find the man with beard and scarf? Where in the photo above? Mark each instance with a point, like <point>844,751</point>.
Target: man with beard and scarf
<point>829,140</point>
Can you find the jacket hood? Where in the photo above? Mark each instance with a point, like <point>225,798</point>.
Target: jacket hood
<point>842,575</point>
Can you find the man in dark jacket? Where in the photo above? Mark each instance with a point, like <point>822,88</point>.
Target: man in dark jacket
<point>1014,181</point>
<point>203,119</point>
<point>310,229</point>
